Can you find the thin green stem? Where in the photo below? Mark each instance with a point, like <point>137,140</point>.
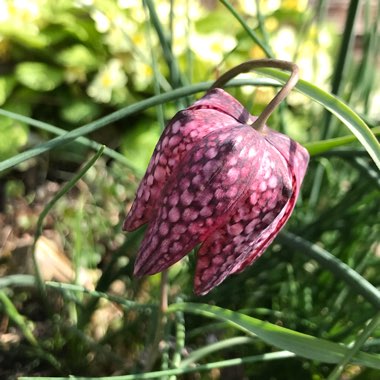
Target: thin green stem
<point>250,32</point>
<point>199,354</point>
<point>176,79</point>
<point>180,340</point>
<point>117,115</point>
<point>21,322</point>
<point>179,371</point>
<point>69,185</point>
<point>368,330</point>
<point>343,59</point>
<point>161,321</point>
<point>358,283</point>
<point>60,132</point>
<point>156,84</point>
<point>339,70</point>
<point>263,29</point>
<point>259,123</point>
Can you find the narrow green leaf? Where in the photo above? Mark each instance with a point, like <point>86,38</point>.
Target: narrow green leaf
<point>266,49</point>
<point>17,280</point>
<point>333,104</point>
<point>120,114</point>
<point>22,323</point>
<point>26,280</point>
<point>341,270</point>
<point>338,108</point>
<point>179,371</point>
<point>18,319</point>
<point>322,146</point>
<point>65,188</point>
<point>214,347</point>
<point>302,345</point>
<point>365,334</point>
<point>60,132</point>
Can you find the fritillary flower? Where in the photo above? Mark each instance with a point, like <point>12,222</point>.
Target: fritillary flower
<point>215,181</point>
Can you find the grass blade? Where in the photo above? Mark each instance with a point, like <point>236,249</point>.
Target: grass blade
<point>179,371</point>
<point>21,322</point>
<point>266,49</point>
<point>371,326</point>
<point>70,184</point>
<point>301,344</point>
<point>338,108</point>
<point>322,146</point>
<point>117,115</point>
<point>60,132</point>
<point>358,283</point>
<point>355,124</point>
<point>214,347</point>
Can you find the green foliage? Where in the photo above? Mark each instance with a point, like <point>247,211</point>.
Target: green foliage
<point>80,74</point>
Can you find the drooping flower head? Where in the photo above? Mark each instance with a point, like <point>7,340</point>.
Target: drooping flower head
<point>214,180</point>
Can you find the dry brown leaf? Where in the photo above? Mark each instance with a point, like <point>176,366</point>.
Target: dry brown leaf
<point>55,265</point>
<point>52,262</point>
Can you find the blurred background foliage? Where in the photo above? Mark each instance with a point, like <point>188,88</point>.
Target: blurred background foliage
<point>70,62</point>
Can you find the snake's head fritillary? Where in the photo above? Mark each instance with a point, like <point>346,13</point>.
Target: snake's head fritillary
<point>216,181</point>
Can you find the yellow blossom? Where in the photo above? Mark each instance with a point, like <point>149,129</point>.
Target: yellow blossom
<point>211,47</point>
<point>111,77</point>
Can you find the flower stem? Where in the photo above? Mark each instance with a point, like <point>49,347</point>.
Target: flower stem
<point>161,322</point>
<point>259,123</point>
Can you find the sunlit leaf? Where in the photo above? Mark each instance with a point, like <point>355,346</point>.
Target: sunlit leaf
<point>303,345</point>
<point>38,76</point>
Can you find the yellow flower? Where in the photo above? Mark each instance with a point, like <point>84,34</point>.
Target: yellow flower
<point>211,47</point>
<point>110,78</point>
<point>102,22</point>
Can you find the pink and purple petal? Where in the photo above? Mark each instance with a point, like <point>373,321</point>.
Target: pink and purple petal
<point>251,223</point>
<point>200,195</point>
<point>185,130</point>
<point>215,180</point>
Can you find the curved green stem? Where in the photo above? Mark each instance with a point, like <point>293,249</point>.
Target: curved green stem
<point>161,321</point>
<point>259,123</point>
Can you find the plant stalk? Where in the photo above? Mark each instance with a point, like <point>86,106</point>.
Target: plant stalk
<point>161,321</point>
<point>259,123</point>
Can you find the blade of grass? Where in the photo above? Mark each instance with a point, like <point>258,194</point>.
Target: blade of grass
<point>120,114</point>
<point>215,347</point>
<point>358,283</point>
<point>345,153</point>
<point>368,330</point>
<point>69,185</point>
<point>60,132</point>
<point>24,280</point>
<point>341,64</point>
<point>322,146</point>
<point>180,341</point>
<point>15,280</point>
<point>338,108</point>
<point>263,29</point>
<point>156,84</point>
<point>18,319</point>
<point>345,48</point>
<point>266,49</point>
<point>96,294</point>
<point>21,322</point>
<point>176,79</point>
<point>302,345</point>
<point>179,371</point>
<point>333,104</point>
